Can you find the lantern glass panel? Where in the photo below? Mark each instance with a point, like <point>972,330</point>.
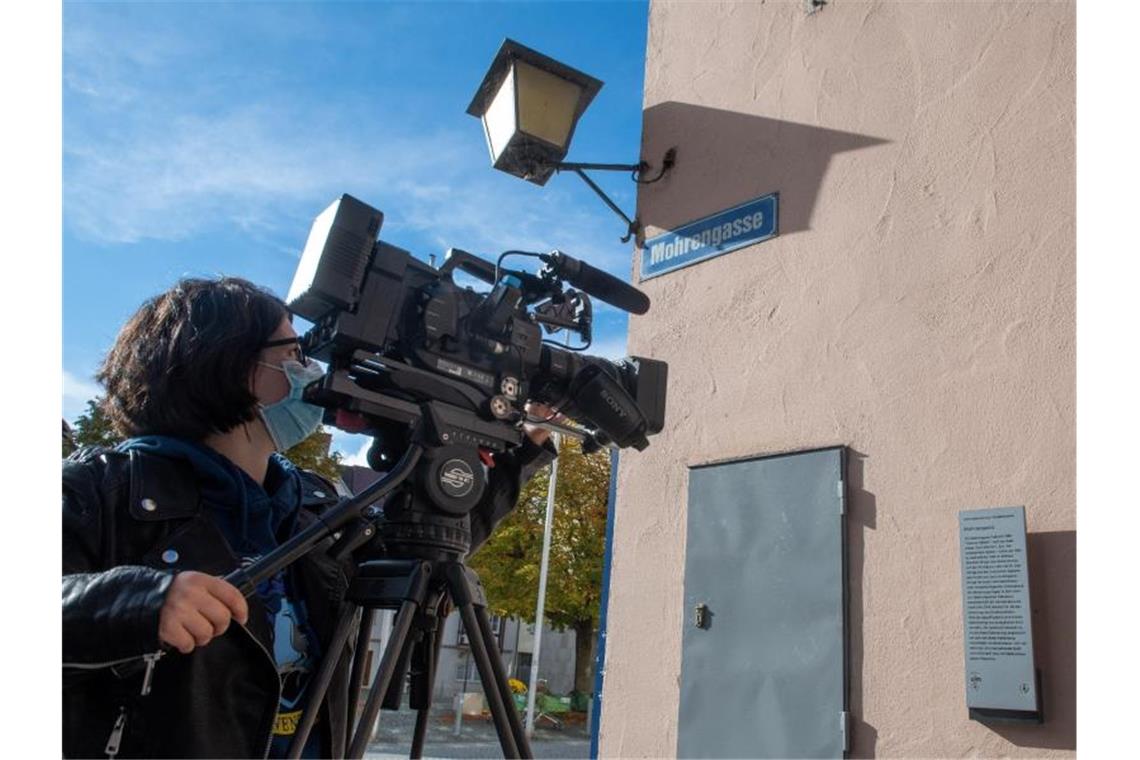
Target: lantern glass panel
<point>547,104</point>
<point>499,118</point>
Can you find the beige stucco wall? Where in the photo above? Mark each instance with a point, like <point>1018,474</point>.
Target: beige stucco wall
<point>918,307</point>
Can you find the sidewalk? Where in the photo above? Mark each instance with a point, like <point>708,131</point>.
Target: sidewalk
<point>477,738</point>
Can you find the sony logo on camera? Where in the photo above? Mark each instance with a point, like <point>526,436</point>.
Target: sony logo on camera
<point>614,404</point>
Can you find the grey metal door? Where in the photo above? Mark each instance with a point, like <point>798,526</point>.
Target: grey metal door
<point>763,665</point>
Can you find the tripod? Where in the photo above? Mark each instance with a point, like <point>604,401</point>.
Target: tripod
<point>419,590</point>
<point>425,529</point>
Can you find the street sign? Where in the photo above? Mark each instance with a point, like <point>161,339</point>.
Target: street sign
<point>720,233</point>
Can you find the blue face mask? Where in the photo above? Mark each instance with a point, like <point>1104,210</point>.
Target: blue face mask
<point>291,420</point>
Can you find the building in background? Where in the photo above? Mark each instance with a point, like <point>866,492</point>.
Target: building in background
<point>901,349</point>
<point>457,672</point>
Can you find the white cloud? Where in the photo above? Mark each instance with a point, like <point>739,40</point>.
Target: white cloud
<point>77,391</point>
<point>77,388</point>
<point>253,166</point>
<point>262,167</point>
<point>144,160</point>
<point>360,458</point>
<point>354,448</point>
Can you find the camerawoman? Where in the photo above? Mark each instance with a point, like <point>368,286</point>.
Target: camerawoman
<point>209,381</point>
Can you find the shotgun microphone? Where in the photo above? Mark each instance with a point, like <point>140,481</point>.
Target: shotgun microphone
<point>601,285</point>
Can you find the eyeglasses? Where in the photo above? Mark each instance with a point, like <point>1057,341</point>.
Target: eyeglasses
<point>297,354</point>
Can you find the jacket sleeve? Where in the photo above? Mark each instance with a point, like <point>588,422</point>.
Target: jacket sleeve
<point>511,471</point>
<point>109,613</point>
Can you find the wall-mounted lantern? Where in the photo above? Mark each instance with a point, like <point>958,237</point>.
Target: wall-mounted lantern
<point>530,105</point>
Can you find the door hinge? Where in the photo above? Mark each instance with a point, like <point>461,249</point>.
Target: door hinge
<point>839,491</point>
<point>843,720</point>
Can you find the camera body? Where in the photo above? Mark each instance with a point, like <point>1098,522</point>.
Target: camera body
<point>398,333</point>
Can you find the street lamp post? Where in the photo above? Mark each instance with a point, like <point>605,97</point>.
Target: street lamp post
<point>546,533</point>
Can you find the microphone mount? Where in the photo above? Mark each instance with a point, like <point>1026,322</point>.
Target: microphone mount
<point>596,282</point>
<point>636,171</point>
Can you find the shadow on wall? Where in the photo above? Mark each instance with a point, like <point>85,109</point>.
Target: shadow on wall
<point>1053,597</point>
<point>860,518</point>
<point>725,158</point>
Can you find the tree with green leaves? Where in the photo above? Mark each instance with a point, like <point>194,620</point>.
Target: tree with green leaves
<point>509,563</point>
<point>313,454</point>
<point>93,427</point>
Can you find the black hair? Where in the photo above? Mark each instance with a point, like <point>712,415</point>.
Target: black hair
<point>181,364</point>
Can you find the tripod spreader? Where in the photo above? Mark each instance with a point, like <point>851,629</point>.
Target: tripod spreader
<point>247,578</point>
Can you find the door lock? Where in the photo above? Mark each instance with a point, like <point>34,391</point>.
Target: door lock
<point>702,616</point>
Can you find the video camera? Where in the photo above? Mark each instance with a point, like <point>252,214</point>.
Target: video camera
<point>408,348</point>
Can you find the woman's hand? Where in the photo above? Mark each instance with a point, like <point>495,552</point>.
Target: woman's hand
<point>198,607</point>
<point>540,435</point>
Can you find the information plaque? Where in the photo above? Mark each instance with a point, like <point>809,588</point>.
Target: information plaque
<point>1001,682</point>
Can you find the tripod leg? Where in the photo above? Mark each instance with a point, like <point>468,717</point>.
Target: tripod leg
<point>320,684</point>
<point>395,694</point>
<point>461,593</point>
<point>501,682</point>
<point>383,676</point>
<point>357,677</point>
<point>487,676</point>
<point>423,680</point>
<point>419,733</point>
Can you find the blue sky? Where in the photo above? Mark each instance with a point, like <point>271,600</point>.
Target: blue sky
<point>202,139</point>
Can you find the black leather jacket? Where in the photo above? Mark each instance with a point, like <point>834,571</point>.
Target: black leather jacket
<point>130,522</point>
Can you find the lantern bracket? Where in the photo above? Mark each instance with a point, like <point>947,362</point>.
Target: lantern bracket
<point>636,171</point>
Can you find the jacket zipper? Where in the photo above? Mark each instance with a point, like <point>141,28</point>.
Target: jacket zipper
<point>116,736</point>
<point>110,663</point>
<point>151,660</point>
<point>277,702</point>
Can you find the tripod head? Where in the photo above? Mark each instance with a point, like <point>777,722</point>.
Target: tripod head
<point>428,515</point>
